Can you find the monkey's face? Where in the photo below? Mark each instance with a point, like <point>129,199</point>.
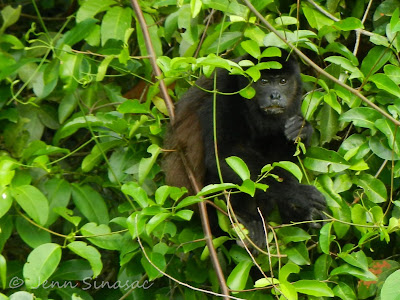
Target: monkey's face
<point>276,92</point>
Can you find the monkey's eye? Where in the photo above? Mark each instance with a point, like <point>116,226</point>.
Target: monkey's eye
<point>264,81</point>
<point>283,81</point>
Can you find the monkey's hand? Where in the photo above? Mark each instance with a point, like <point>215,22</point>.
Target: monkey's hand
<point>296,127</point>
<point>304,203</point>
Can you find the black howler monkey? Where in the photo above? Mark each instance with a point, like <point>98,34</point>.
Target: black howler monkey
<point>260,131</point>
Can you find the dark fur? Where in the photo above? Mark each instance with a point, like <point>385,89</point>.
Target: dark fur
<point>260,131</point>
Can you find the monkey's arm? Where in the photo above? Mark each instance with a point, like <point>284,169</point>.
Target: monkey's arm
<point>295,127</point>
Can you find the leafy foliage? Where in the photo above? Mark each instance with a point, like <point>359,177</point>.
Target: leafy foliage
<point>84,212</point>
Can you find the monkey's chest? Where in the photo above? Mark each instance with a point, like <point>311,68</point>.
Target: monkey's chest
<point>275,148</point>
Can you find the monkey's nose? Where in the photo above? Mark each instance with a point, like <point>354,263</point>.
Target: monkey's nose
<point>275,96</point>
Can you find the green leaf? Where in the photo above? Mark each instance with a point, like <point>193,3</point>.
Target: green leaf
<point>70,66</point>
<point>298,254</point>
<point>249,187</point>
<point>158,260</point>
<point>291,167</point>
<point>393,72</point>
<point>146,164</point>
<point>6,201</point>
<point>384,82</point>
<point>19,296</point>
<point>116,22</point>
<point>379,145</point>
<point>90,203</point>
<point>329,123</point>
<point>344,292</point>
<point>359,216</point>
<point>252,48</point>
<point>75,124</point>
<point>215,188</point>
<point>376,58</point>
<point>58,192</point>
<point>255,75</point>
<point>239,167</point>
<point>46,79</point>
<point>249,92</point>
<point>342,213</point>
<point>313,288</point>
<point>40,264</point>
<point>395,21</point>
<point>7,166</point>
<point>102,69</point>
<point>349,24</point>
<point>325,161</point>
<point>33,202</point>
<point>311,103</point>
<point>288,269</point>
<point>134,190</point>
<point>221,5</point>
<point>3,272</point>
<point>195,7</point>
<point>79,32</point>
<point>68,104</point>
<point>373,188</point>
<point>98,153</point>
<point>68,215</point>
<point>347,65</point>
<point>136,223</point>
<point>188,201</point>
<point>164,191</point>
<point>214,61</point>
<point>217,242</point>
<point>353,271</point>
<point>266,282</point>
<point>322,266</point>
<point>331,99</point>
<point>191,239</point>
<point>238,277</point>
<point>288,291</point>
<point>315,18</point>
<point>185,22</point>
<point>285,20</point>
<point>155,221</point>
<point>153,29</point>
<point>105,239</point>
<point>133,107</point>
<point>390,289</point>
<point>10,16</point>
<point>30,234</point>
<point>354,147</point>
<point>73,269</point>
<point>325,237</point>
<point>89,253</point>
<point>292,234</point>
<point>185,214</point>
<point>356,259</point>
<point>90,8</point>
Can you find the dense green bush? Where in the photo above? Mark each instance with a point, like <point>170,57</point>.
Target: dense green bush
<point>84,212</point>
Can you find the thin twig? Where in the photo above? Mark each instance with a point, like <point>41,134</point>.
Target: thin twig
<point>332,17</point>
<point>206,227</point>
<point>358,33</point>
<point>153,60</point>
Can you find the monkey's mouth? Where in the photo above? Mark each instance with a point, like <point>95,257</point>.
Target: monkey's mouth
<point>273,109</point>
